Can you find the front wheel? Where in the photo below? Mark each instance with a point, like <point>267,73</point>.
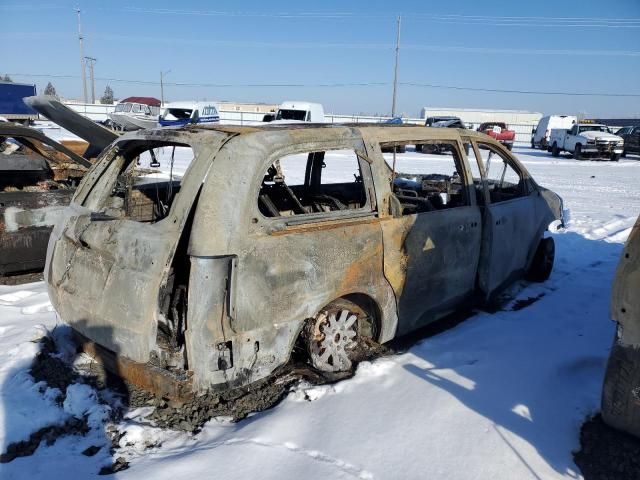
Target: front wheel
<point>555,151</point>
<point>542,263</point>
<point>615,157</point>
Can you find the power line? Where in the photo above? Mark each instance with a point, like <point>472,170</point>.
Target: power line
<point>557,21</point>
<point>524,92</point>
<point>457,19</point>
<point>336,85</point>
<point>365,46</point>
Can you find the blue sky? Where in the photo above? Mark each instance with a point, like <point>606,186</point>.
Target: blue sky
<point>463,43</point>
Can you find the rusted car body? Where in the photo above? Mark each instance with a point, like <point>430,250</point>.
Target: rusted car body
<point>219,285</point>
<point>37,181</point>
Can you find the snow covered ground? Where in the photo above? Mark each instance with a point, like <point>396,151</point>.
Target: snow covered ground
<point>500,396</point>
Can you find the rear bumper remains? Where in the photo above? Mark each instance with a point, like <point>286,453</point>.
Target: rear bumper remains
<point>164,383</point>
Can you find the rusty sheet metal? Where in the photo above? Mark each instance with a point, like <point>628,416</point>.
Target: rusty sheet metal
<point>34,139</point>
<point>159,381</point>
<point>35,187</point>
<point>26,220</point>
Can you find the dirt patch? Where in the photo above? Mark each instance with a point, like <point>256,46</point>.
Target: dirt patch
<point>49,435</point>
<point>49,368</point>
<point>607,453</point>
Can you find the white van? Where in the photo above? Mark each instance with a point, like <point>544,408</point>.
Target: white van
<point>177,114</point>
<point>294,111</point>
<point>541,134</point>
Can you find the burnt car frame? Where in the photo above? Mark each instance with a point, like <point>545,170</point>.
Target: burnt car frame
<point>36,182</point>
<point>216,291</point>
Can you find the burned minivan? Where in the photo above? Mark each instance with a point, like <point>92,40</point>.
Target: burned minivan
<point>287,236</point>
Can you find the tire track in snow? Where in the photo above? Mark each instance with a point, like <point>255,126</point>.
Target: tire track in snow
<point>613,229</point>
<point>314,455</point>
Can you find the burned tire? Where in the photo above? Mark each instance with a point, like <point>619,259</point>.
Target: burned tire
<point>621,390</point>
<point>555,151</point>
<point>542,263</point>
<point>332,336</point>
<point>577,152</point>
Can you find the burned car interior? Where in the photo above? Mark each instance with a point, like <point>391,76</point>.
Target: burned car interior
<point>138,193</point>
<point>317,194</point>
<point>428,192</point>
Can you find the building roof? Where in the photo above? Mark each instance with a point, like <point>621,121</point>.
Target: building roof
<point>151,101</point>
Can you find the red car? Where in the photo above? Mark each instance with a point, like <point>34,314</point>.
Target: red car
<point>500,131</point>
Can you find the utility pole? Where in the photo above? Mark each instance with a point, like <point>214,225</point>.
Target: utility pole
<point>162,74</point>
<point>395,74</point>
<point>91,62</point>
<point>395,91</point>
<point>82,68</point>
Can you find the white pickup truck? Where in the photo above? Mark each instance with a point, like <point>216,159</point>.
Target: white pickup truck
<point>584,140</point>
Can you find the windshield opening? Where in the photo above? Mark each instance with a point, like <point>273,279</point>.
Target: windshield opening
<point>592,128</point>
<point>177,113</point>
<point>286,114</point>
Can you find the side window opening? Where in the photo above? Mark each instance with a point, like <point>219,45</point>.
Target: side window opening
<point>312,183</point>
<point>503,181</point>
<point>428,181</point>
<point>140,181</point>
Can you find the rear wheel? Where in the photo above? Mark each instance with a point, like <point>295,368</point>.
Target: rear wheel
<point>418,148</point>
<point>621,390</point>
<point>332,336</point>
<point>577,152</point>
<point>615,157</point>
<point>542,263</point>
<point>533,145</point>
<point>555,151</point>
<point>623,154</point>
